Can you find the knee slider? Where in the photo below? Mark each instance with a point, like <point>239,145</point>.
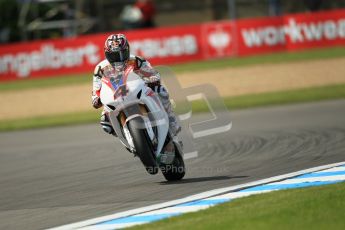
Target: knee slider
<point>104,118</point>
<point>106,125</point>
<point>107,129</point>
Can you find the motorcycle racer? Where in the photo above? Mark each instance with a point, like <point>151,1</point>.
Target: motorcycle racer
<point>117,53</point>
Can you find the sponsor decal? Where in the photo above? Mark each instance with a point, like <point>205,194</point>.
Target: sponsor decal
<point>219,39</point>
<point>165,47</point>
<point>294,32</point>
<point>48,57</point>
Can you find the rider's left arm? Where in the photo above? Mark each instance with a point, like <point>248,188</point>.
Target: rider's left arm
<point>149,74</point>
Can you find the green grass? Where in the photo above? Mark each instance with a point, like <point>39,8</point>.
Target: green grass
<point>233,103</point>
<point>188,67</point>
<point>45,82</point>
<point>314,54</point>
<point>278,98</point>
<point>320,207</point>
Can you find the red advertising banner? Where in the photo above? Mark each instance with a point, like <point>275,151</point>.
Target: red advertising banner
<point>218,39</point>
<point>167,45</point>
<point>291,32</point>
<point>315,30</point>
<point>81,54</point>
<point>48,58</point>
<point>260,36</point>
<point>177,44</point>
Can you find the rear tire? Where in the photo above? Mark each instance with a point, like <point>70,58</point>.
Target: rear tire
<point>176,170</point>
<point>143,145</point>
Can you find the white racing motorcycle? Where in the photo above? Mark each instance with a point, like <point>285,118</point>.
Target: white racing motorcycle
<point>140,122</point>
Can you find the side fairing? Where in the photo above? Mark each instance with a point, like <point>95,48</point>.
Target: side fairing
<point>107,94</point>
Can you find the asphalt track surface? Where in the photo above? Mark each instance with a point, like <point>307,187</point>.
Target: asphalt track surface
<point>57,176</point>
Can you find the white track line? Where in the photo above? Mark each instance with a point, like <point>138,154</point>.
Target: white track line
<point>111,226</point>
<point>181,210</point>
<point>335,169</point>
<point>311,179</point>
<point>235,195</point>
<point>190,198</point>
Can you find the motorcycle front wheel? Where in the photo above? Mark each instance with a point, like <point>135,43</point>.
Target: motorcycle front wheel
<point>143,145</point>
<point>176,170</point>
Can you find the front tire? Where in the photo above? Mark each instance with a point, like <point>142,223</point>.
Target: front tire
<point>143,145</point>
<point>176,170</point>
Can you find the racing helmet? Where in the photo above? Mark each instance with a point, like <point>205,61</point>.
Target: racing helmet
<point>116,50</point>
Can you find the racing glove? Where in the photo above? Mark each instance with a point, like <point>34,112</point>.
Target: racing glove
<point>96,102</point>
<point>153,81</point>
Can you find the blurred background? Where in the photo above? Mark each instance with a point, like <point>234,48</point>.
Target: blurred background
<point>251,48</point>
<point>23,20</point>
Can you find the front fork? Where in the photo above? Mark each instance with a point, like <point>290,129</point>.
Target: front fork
<point>132,112</point>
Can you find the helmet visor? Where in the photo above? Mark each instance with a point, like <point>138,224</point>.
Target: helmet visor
<point>119,56</point>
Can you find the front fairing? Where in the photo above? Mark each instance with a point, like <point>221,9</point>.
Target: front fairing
<point>120,92</point>
<point>121,87</point>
